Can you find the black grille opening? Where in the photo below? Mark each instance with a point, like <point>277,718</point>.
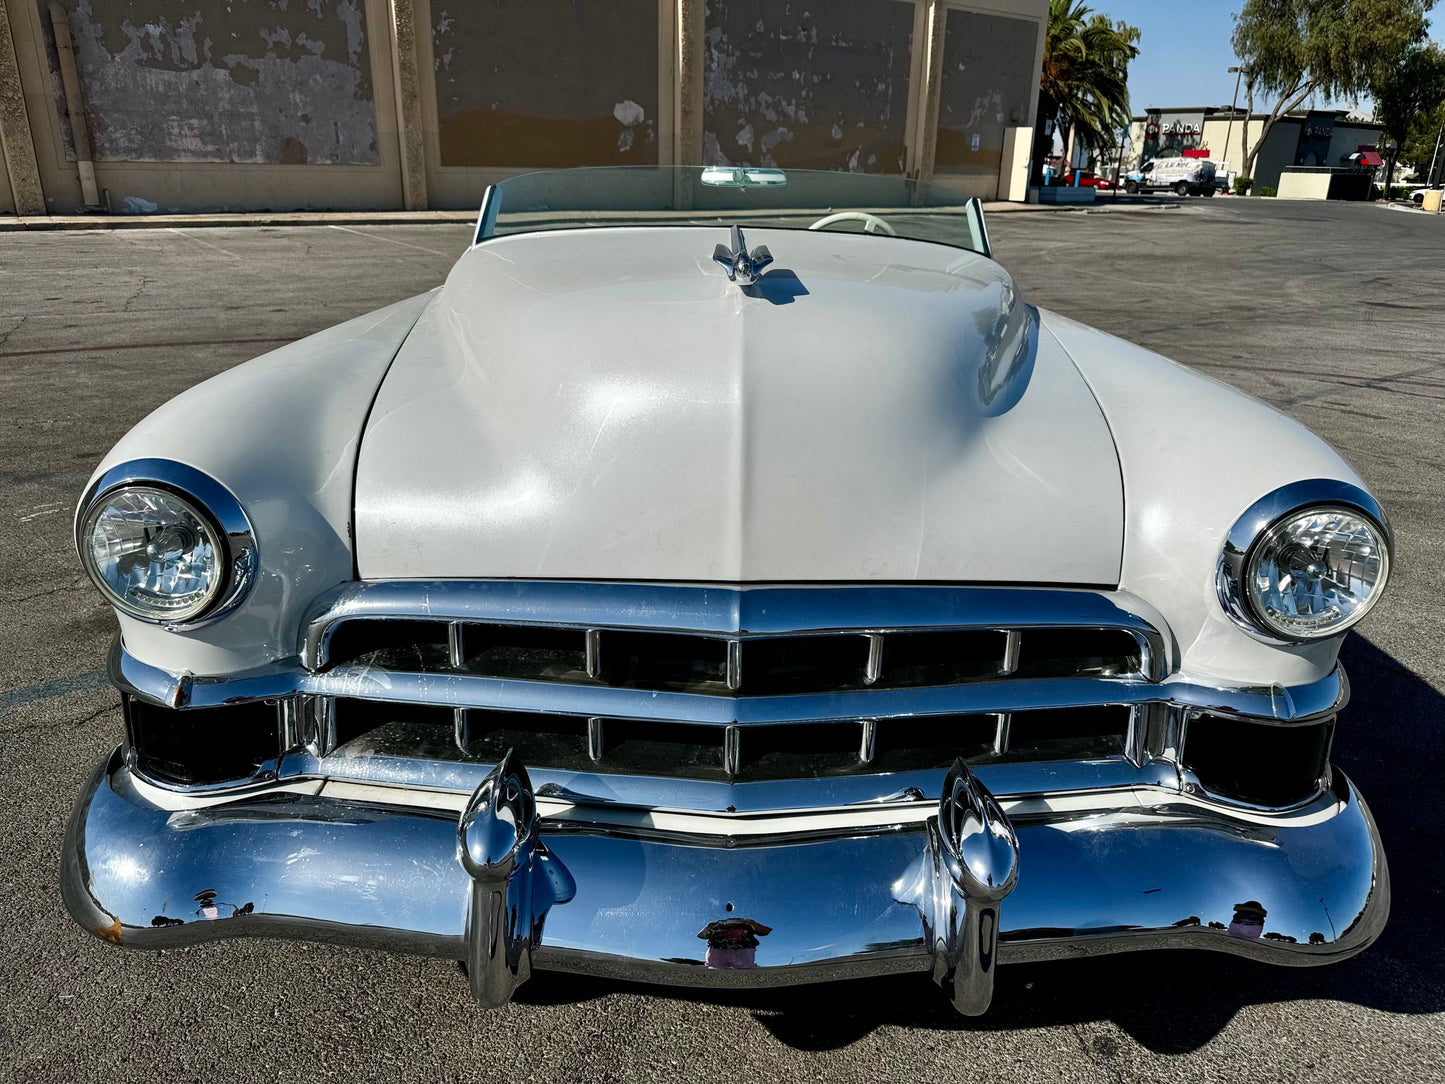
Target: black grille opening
<point>662,748</point>
<point>1077,653</point>
<point>803,664</point>
<point>541,740</point>
<point>389,644</point>
<point>932,741</point>
<point>658,660</point>
<point>1260,763</point>
<point>199,746</point>
<point>1072,734</point>
<point>798,750</point>
<point>403,723</point>
<point>942,658</point>
<point>525,652</point>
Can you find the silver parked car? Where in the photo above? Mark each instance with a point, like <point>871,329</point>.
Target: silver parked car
<point>728,579</point>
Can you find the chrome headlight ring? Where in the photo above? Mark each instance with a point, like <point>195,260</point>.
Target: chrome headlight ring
<point>1265,517</point>
<point>198,493</point>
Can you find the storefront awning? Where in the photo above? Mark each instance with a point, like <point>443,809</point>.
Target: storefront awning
<point>1367,158</point>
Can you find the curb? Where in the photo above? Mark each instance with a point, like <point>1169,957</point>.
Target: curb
<point>11,223</point>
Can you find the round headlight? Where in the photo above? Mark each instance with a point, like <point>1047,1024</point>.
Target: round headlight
<point>1316,572</point>
<point>153,553</point>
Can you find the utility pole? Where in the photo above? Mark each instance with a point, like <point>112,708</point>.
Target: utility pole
<point>1119,166</point>
<point>1233,102</point>
<point>1430,177</point>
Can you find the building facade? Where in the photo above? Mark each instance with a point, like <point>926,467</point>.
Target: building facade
<point>1313,138</point>
<point>351,104</point>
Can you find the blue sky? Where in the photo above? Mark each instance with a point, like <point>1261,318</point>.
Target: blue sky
<point>1184,52</point>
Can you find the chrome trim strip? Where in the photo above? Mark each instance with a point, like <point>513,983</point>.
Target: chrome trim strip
<point>737,611</point>
<point>1279,703</point>
<point>1264,514</point>
<point>656,793</point>
<point>212,500</point>
<point>850,904</point>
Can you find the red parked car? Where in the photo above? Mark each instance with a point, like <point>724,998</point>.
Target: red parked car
<point>1088,179</point>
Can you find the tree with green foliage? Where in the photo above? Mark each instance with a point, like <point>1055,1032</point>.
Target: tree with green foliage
<point>1421,143</point>
<point>1083,87</point>
<point>1295,49</point>
<point>1412,88</point>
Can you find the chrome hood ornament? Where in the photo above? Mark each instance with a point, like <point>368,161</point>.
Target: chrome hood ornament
<point>742,266</point>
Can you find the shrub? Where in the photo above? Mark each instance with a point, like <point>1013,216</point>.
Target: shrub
<point>1268,190</point>
<point>1242,185</point>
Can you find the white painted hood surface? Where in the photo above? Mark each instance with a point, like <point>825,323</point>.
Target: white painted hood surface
<point>605,404</point>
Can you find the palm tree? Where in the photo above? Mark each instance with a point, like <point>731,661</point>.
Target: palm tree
<point>1083,87</point>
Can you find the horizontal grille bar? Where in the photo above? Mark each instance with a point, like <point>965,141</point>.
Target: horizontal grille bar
<point>469,691</point>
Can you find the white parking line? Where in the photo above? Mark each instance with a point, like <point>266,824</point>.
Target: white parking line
<point>392,240</point>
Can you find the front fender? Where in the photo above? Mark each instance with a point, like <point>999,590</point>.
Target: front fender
<point>281,433</point>
<point>1195,454</point>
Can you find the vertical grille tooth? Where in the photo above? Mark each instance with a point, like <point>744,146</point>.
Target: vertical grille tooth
<point>1013,638</point>
<point>459,729</point>
<point>1001,735</point>
<point>874,668</point>
<point>456,647</point>
<point>735,665</point>
<point>732,750</point>
<point>869,744</point>
<point>592,652</point>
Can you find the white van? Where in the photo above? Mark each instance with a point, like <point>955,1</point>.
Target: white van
<point>1186,176</point>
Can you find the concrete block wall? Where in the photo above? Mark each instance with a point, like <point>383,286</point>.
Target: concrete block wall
<point>348,104</point>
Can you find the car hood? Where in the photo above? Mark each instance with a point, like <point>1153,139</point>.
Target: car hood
<point>605,404</point>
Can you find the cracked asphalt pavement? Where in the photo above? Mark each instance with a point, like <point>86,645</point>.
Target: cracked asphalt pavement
<point>1333,313</point>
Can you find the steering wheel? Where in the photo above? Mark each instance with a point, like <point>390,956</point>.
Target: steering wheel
<point>871,223</point>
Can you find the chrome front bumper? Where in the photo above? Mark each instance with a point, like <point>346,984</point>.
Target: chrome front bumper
<point>705,901</point>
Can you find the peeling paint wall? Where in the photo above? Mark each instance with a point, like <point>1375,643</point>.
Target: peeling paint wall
<point>807,84</point>
<point>268,81</point>
<point>987,82</point>
<point>546,83</point>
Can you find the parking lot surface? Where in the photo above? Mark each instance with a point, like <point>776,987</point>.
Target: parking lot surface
<point>1334,314</point>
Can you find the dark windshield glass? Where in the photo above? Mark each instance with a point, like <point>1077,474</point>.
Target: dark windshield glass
<point>569,199</point>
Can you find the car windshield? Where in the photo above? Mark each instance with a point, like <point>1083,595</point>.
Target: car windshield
<point>794,199</point>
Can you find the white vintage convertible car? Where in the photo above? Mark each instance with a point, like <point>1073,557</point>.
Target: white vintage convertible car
<point>728,579</point>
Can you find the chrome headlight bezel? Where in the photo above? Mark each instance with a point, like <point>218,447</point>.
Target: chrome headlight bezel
<point>211,501</point>
<point>1257,523</point>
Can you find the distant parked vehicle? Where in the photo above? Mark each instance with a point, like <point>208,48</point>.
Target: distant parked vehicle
<point>1089,179</point>
<point>1183,176</point>
<point>1417,197</point>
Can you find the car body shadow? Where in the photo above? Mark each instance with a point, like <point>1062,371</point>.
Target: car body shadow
<point>1388,743</point>
<point>778,287</point>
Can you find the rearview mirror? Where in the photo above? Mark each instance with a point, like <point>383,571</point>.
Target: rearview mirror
<point>742,177</point>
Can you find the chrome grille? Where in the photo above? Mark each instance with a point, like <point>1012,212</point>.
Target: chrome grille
<point>729,684</point>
